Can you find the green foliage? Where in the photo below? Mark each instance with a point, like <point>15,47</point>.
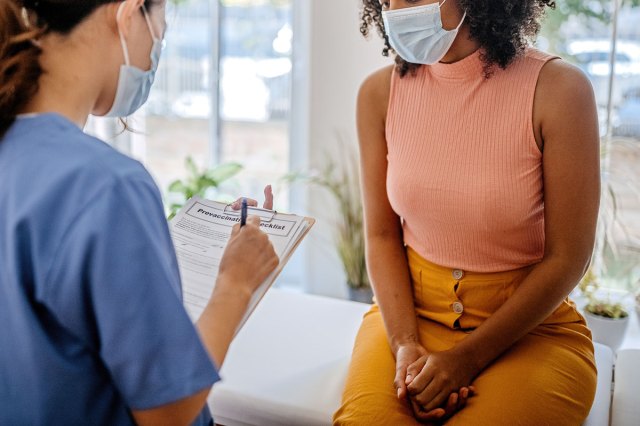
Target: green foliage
<point>342,182</point>
<point>607,310</point>
<point>199,182</point>
<point>589,286</point>
<point>596,9</point>
<point>586,11</point>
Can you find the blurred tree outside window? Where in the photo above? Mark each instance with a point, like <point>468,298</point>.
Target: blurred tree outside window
<point>583,32</point>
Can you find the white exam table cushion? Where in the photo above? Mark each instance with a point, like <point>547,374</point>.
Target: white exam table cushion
<point>626,396</point>
<point>288,365</point>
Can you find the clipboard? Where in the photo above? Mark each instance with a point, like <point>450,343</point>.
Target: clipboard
<point>258,294</point>
<point>200,232</point>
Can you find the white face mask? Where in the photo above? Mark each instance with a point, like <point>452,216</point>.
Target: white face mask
<point>417,35</point>
<point>134,84</point>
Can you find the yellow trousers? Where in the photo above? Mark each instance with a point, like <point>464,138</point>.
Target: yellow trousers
<point>546,378</point>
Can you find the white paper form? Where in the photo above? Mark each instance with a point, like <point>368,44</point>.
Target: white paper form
<point>200,233</point>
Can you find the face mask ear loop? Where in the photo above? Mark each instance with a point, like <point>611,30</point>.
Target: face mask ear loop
<point>125,51</point>
<point>146,18</point>
<point>460,24</point>
<point>463,16</point>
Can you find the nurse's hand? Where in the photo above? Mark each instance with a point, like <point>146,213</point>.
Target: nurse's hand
<point>268,200</point>
<point>247,261</point>
<point>248,258</point>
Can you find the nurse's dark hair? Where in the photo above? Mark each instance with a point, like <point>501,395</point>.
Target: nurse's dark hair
<point>21,23</point>
<point>502,27</point>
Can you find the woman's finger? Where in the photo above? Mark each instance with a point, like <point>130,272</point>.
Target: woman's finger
<point>413,370</point>
<point>420,381</point>
<point>465,394</point>
<point>401,388</point>
<point>428,416</point>
<point>237,204</point>
<point>432,397</point>
<point>452,404</point>
<point>268,198</point>
<point>462,400</point>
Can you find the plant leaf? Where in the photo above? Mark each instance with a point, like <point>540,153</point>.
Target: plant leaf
<point>223,172</point>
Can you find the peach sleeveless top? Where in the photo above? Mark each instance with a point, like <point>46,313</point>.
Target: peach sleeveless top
<point>464,171</point>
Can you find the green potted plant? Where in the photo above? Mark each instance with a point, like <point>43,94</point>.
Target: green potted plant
<point>607,320</point>
<point>342,182</point>
<point>198,182</point>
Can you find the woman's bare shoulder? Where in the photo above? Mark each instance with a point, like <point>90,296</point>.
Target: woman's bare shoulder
<point>564,100</point>
<point>375,89</point>
<point>564,82</point>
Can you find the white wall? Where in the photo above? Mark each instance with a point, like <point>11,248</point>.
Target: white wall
<point>331,62</point>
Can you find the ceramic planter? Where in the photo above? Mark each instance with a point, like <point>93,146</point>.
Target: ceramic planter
<point>610,332</point>
<point>363,295</point>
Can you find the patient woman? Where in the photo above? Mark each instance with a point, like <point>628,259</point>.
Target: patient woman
<point>480,166</point>
<point>93,331</point>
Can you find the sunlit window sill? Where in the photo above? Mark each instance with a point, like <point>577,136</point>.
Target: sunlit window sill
<point>632,339</point>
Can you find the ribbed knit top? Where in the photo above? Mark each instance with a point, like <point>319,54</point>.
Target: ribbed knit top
<point>464,170</point>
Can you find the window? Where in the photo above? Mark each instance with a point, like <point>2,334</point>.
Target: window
<point>581,32</point>
<point>222,94</point>
<point>255,90</point>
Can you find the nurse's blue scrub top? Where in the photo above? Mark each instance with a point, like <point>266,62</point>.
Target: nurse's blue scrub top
<point>91,319</point>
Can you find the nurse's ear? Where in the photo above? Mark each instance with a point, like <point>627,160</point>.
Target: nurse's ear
<point>124,13</point>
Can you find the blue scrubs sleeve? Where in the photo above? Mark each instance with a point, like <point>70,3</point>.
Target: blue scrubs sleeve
<point>128,308</point>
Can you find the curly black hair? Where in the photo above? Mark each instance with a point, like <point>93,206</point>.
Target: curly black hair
<point>502,27</point>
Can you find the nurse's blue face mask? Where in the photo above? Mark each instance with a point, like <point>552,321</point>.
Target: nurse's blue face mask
<point>417,35</point>
<point>134,84</point>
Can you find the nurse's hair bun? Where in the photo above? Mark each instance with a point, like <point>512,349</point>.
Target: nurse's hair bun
<point>19,65</point>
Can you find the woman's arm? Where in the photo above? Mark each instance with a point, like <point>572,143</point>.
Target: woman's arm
<point>386,258</point>
<point>566,120</point>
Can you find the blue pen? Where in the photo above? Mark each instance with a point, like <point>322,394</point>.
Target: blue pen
<point>243,213</point>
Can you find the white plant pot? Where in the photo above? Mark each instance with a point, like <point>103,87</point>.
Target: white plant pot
<point>362,295</point>
<point>610,332</point>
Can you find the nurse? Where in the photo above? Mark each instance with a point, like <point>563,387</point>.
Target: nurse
<point>92,327</point>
